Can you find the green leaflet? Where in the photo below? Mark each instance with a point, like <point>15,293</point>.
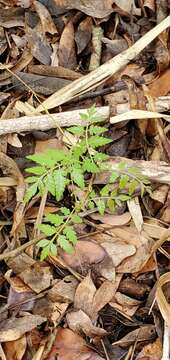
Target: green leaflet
<point>70,234</point>
<point>31,191</point>
<point>55,219</point>
<point>48,230</point>
<point>65,244</point>
<point>60,183</point>
<point>78,178</point>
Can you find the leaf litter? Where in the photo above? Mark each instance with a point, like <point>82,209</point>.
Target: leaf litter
<point>93,303</point>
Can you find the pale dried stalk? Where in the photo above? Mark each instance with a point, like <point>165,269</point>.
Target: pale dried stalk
<point>46,122</point>
<point>104,72</point>
<point>166,342</point>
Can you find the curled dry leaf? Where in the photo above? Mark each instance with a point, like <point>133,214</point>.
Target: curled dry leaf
<point>125,304</point>
<point>84,295</point>
<point>94,8</point>
<point>136,213</point>
<point>14,328</point>
<point>71,346</point>
<point>64,290</point>
<point>161,299</point>
<point>45,18</point>
<point>67,53</point>
<point>79,322</point>
<point>15,349</point>
<point>144,333</point>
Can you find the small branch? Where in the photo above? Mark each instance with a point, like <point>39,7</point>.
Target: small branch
<point>46,122</point>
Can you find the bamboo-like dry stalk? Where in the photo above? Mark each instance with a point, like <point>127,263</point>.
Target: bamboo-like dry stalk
<point>104,72</point>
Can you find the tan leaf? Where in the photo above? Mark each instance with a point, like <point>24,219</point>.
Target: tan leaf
<point>45,17</point>
<point>67,53</point>
<point>118,250</point>
<point>83,34</point>
<point>14,328</point>
<point>136,213</point>
<point>37,277</point>
<point>15,349</point>
<point>104,294</point>
<point>128,6</point>
<point>64,290</point>
<point>78,321</point>
<point>84,295</point>
<point>116,220</point>
<point>163,304</point>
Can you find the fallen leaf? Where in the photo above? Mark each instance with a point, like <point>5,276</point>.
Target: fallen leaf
<point>128,6</point>
<point>71,346</point>
<point>87,253</point>
<point>45,17</point>
<point>79,322</point>
<point>118,250</point>
<point>116,220</point>
<point>161,85</point>
<point>37,277</point>
<point>104,294</point>
<point>83,34</point>
<point>64,290</point>
<point>38,44</point>
<point>14,328</point>
<point>53,311</point>
<point>15,349</point>
<point>136,213</point>
<point>151,351</point>
<point>67,53</point>
<point>84,294</point>
<point>144,333</point>
<point>95,8</point>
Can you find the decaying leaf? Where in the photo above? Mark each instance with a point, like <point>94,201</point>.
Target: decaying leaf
<point>95,8</point>
<point>79,322</point>
<point>151,351</point>
<point>70,346</point>
<point>64,290</point>
<point>67,54</point>
<point>37,277</point>
<point>15,349</point>
<point>84,295</point>
<point>14,328</point>
<point>144,333</point>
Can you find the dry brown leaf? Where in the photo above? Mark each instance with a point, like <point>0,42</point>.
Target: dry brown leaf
<point>94,8</point>
<point>163,304</point>
<point>37,277</point>
<point>20,263</point>
<point>45,17</point>
<point>83,34</point>
<point>104,294</point>
<point>67,53</point>
<point>87,253</point>
<point>144,333</point>
<point>84,295</point>
<point>15,349</point>
<point>118,250</point>
<point>53,311</point>
<point>14,328</point>
<point>79,322</point>
<point>71,346</point>
<point>161,85</point>
<point>116,220</point>
<point>136,213</point>
<point>38,44</point>
<point>64,290</point>
<point>151,351</point>
<point>125,304</point>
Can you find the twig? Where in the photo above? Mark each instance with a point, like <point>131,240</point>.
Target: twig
<point>45,122</point>
<point>104,72</point>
